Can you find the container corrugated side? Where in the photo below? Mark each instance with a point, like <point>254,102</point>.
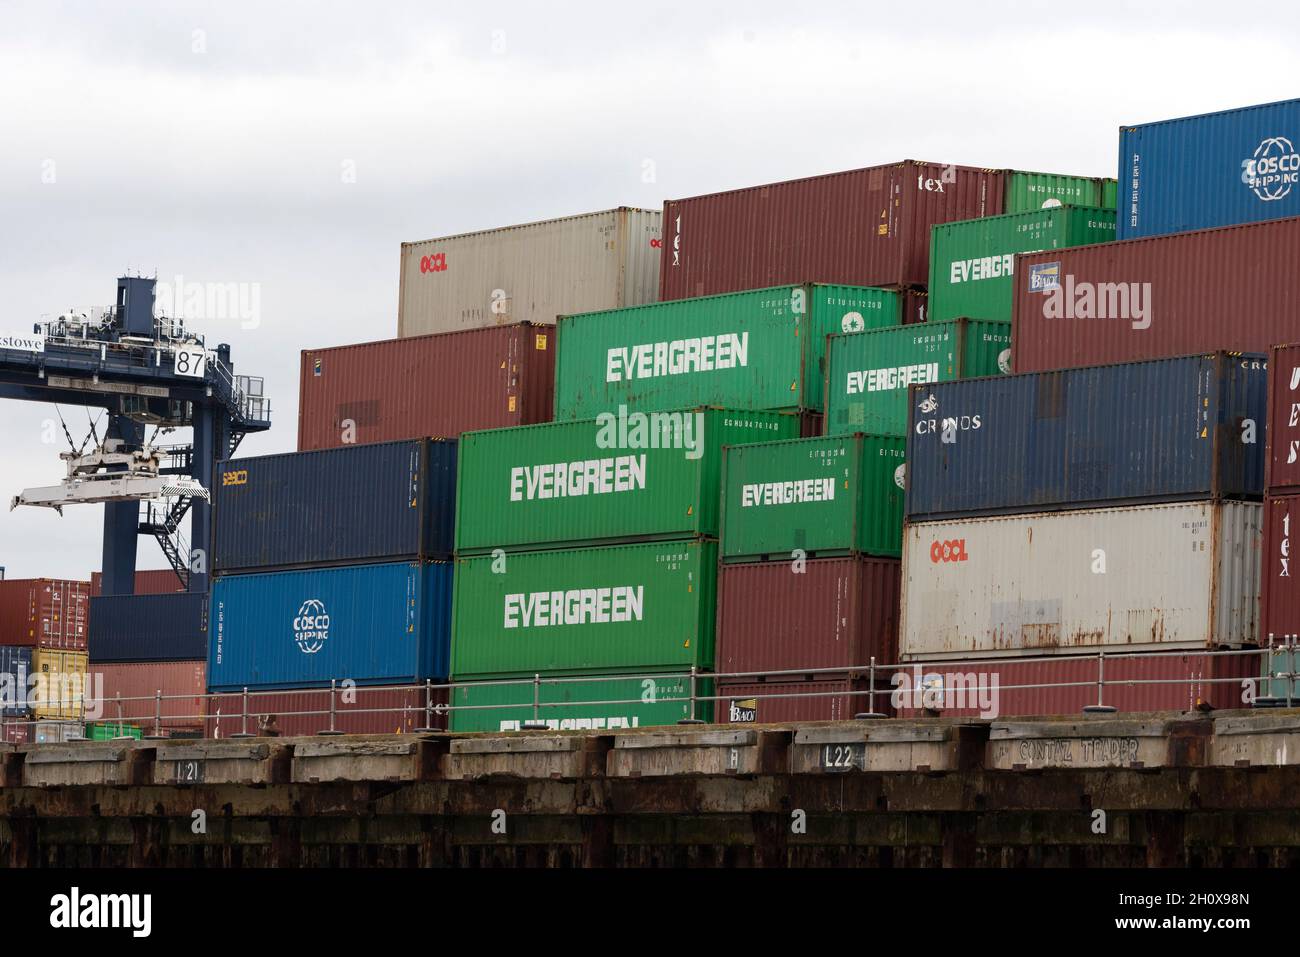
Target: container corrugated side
<point>869,372</point>
<point>302,712</point>
<point>426,386</point>
<point>371,624</point>
<point>1167,429</point>
<point>1230,288</point>
<point>603,610</point>
<point>1279,605</point>
<point>572,705</point>
<point>529,273</point>
<point>760,349</point>
<point>15,666</point>
<point>566,483</point>
<point>1147,577</point>
<point>150,581</point>
<point>997,687</point>
<point>1033,191</point>
<point>44,612</point>
<point>129,693</point>
<point>776,702</point>
<point>972,262</point>
<point>865,227</point>
<point>834,495</point>
<point>1283,461</point>
<point>1215,169</point>
<point>832,613</point>
<point>384,502</point>
<point>59,687</point>
<point>165,627</point>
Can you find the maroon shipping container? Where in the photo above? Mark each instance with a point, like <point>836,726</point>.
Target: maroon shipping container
<point>128,693</point>
<point>369,711</point>
<point>864,227</point>
<point>826,699</point>
<point>1190,676</point>
<point>439,385</point>
<point>44,613</point>
<point>151,581</point>
<point>1231,289</point>
<point>916,303</point>
<point>837,613</point>
<point>1279,595</point>
<point>1283,462</point>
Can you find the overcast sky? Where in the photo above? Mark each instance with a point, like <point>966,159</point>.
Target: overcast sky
<point>295,145</point>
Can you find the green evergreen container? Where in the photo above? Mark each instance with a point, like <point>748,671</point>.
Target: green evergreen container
<point>870,371</point>
<point>971,262</point>
<point>1028,191</point>
<point>832,496</point>
<point>568,483</point>
<point>760,349</point>
<point>645,701</point>
<point>585,611</point>
<point>105,731</point>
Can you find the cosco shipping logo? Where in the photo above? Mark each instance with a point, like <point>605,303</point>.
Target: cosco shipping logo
<point>312,627</point>
<point>1273,170</point>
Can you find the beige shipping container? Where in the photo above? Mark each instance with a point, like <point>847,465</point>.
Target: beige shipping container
<point>1149,577</point>
<point>60,683</point>
<point>530,273</point>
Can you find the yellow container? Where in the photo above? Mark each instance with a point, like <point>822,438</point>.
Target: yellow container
<point>60,682</point>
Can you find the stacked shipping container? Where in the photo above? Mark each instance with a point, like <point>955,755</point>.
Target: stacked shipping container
<point>43,633</point>
<point>1104,508</point>
<point>587,550</point>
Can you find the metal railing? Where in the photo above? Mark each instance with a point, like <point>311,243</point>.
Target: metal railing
<point>956,685</point>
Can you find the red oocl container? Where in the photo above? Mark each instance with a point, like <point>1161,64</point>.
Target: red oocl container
<point>151,581</point>
<point>1283,463</point>
<point>1279,597</point>
<point>1231,289</point>
<point>182,683</point>
<point>44,613</point>
<point>438,386</point>
<point>837,613</point>
<point>367,711</point>
<point>1192,680</point>
<point>820,700</point>
<point>863,227</point>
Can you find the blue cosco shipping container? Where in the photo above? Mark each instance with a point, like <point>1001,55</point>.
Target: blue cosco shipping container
<point>373,624</point>
<point>1165,430</point>
<point>167,627</point>
<point>15,665</point>
<point>1218,169</point>
<point>390,501</point>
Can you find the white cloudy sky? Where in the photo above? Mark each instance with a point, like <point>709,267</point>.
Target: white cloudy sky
<point>217,155</point>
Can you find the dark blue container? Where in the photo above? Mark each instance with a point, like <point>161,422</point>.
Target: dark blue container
<point>392,501</point>
<point>168,627</point>
<point>371,624</point>
<point>1165,430</point>
<point>1219,169</point>
<point>15,666</point>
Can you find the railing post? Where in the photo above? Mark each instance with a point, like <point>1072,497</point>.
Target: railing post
<point>535,723</point>
<point>428,709</point>
<point>871,713</point>
<point>694,694</point>
<point>1290,667</point>
<point>243,721</point>
<point>1100,707</point>
<point>333,692</point>
<point>157,718</point>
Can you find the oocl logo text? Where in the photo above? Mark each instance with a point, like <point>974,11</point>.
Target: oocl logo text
<point>311,627</point>
<point>953,550</point>
<point>1273,170</point>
